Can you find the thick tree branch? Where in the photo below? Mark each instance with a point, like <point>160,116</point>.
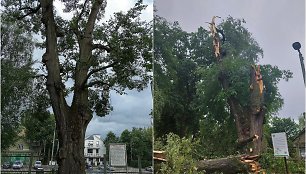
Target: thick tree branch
<point>244,142</point>
<point>31,11</point>
<point>92,17</point>
<point>97,70</point>
<point>101,47</point>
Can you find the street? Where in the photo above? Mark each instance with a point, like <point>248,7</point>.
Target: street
<point>95,170</point>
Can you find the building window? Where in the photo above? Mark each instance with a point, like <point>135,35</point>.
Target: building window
<point>89,150</point>
<point>97,151</point>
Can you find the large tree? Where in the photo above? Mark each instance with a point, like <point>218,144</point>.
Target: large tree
<point>234,86</point>
<point>226,93</point>
<point>94,56</point>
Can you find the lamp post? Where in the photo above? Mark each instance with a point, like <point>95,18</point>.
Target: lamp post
<point>297,46</point>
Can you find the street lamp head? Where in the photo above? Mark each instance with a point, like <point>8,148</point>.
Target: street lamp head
<point>296,45</point>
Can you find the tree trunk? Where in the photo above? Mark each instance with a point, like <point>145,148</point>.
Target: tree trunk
<point>257,109</point>
<point>230,165</point>
<point>71,152</point>
<point>248,120</point>
<point>71,122</point>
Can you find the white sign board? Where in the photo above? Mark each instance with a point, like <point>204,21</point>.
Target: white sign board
<point>280,145</point>
<point>117,155</point>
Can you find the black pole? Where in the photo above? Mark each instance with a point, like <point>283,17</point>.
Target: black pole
<point>302,64</point>
<point>297,46</point>
<point>287,172</point>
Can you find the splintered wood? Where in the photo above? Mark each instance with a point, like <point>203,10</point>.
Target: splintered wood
<point>159,155</point>
<point>254,165</point>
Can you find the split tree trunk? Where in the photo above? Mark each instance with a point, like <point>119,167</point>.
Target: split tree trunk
<point>248,120</point>
<point>71,121</point>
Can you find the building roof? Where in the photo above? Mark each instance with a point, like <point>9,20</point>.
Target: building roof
<point>94,136</point>
<point>91,137</point>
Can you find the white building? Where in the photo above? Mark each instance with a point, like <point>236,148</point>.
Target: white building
<point>94,149</point>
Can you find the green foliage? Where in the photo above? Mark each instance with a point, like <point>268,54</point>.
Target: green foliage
<point>284,125</point>
<point>277,164</point>
<point>16,77</point>
<point>39,123</point>
<point>181,155</point>
<point>174,80</point>
<point>110,138</point>
<point>216,143</point>
<point>141,143</point>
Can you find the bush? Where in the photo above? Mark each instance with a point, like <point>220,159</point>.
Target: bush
<point>180,155</point>
<point>277,164</point>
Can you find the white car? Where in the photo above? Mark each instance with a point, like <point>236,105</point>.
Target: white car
<point>38,165</point>
<point>17,165</point>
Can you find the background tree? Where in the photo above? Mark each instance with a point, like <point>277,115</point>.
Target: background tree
<point>40,125</point>
<point>110,138</point>
<point>141,146</point>
<point>125,137</point>
<point>287,125</point>
<point>284,125</point>
<point>16,76</point>
<point>174,77</point>
<point>96,57</point>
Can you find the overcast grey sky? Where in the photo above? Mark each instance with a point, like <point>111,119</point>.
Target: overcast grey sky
<point>275,25</point>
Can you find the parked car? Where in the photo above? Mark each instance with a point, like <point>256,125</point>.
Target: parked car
<point>150,169</point>
<point>6,165</point>
<point>108,168</point>
<point>17,165</point>
<point>38,165</point>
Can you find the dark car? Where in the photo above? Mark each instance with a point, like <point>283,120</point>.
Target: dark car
<point>6,165</point>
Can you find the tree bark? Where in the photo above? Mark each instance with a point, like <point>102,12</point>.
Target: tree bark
<point>257,110</point>
<point>230,165</point>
